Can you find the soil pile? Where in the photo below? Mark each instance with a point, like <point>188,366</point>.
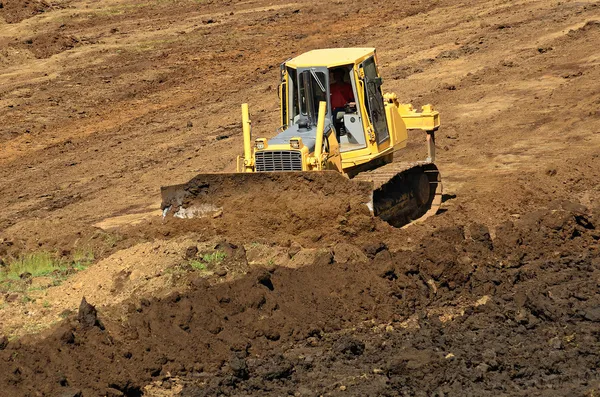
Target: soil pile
<point>516,314</point>
<point>307,208</point>
<point>14,11</point>
<point>44,45</point>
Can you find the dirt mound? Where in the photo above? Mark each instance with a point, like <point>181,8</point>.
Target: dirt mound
<point>517,312</point>
<point>46,45</point>
<point>278,208</point>
<point>14,11</point>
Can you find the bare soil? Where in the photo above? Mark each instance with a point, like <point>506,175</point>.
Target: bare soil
<point>102,103</point>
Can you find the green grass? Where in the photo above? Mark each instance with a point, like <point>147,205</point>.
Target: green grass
<point>214,258</point>
<point>207,260</point>
<point>37,263</point>
<point>197,265</point>
<point>40,264</point>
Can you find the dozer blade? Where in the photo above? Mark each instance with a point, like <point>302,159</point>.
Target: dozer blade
<point>404,193</point>
<point>209,194</point>
<point>397,193</point>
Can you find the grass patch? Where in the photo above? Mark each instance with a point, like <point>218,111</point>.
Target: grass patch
<point>197,265</point>
<point>37,264</point>
<point>41,264</point>
<point>207,260</point>
<point>215,258</point>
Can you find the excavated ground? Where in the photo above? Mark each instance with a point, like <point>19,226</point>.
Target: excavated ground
<point>279,293</point>
<point>516,315</point>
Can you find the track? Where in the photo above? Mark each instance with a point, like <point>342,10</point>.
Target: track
<point>404,193</point>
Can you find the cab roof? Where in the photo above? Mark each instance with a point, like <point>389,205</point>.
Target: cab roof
<point>330,57</point>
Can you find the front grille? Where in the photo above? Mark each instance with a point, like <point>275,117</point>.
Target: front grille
<point>281,160</point>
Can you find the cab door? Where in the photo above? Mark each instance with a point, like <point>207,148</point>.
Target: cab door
<point>374,100</point>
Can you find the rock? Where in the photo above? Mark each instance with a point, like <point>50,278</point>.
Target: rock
<point>3,342</point>
<point>221,272</point>
<point>239,367</point>
<point>88,316</point>
<point>294,249</point>
<point>191,252</point>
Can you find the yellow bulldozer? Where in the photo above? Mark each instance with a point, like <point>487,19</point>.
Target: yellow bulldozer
<point>334,119</point>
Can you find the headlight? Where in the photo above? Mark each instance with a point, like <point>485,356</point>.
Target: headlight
<point>260,144</point>
<point>295,143</point>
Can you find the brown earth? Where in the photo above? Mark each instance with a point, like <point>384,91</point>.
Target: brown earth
<point>515,315</point>
<point>101,103</point>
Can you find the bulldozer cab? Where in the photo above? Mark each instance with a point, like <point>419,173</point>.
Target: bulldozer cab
<point>348,81</point>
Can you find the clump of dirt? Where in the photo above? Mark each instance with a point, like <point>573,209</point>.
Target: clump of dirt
<point>460,313</point>
<point>46,45</point>
<point>14,11</point>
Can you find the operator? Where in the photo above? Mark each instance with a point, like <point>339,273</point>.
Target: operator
<point>341,92</point>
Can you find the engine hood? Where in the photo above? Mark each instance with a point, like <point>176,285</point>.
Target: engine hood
<point>308,135</point>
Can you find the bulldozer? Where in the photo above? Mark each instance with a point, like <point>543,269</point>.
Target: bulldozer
<point>334,118</point>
